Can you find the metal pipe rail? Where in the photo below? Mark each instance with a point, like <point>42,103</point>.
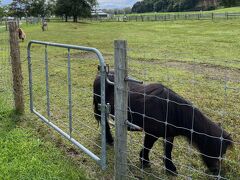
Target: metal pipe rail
<point>100,160</point>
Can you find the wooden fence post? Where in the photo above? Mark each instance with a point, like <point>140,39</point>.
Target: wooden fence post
<point>16,68</point>
<point>121,104</point>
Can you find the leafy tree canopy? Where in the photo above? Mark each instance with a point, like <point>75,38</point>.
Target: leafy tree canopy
<point>21,8</point>
<point>180,5</point>
<point>74,8</point>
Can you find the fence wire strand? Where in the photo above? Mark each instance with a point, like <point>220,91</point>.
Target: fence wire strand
<point>197,78</point>
<point>6,90</point>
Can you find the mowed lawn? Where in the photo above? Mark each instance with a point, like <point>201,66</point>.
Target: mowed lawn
<point>211,42</point>
<point>26,155</point>
<point>197,59</point>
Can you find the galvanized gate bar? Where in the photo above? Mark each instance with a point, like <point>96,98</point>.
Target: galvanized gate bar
<point>89,49</point>
<point>69,94</point>
<point>67,137</point>
<point>101,161</point>
<point>47,82</point>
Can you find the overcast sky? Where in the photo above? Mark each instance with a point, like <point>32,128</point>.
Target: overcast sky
<point>104,4</point>
<point>6,2</point>
<point>116,3</point>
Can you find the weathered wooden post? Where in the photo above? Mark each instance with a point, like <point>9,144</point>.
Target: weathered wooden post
<point>16,67</point>
<point>18,22</point>
<point>121,104</point>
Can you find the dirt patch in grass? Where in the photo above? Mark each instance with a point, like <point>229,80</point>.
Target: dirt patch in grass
<point>88,55</point>
<point>213,72</point>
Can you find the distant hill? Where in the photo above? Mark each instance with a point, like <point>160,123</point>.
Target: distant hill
<point>180,5</point>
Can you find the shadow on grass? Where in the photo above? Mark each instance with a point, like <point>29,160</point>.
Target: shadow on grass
<point>9,120</point>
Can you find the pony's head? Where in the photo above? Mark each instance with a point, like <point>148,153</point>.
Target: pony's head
<point>216,147</point>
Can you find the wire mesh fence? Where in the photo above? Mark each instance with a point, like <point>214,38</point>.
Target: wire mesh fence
<point>211,92</point>
<point>172,17</point>
<point>210,85</point>
<point>6,90</point>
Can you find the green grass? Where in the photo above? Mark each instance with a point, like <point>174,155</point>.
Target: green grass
<point>26,155</point>
<point>230,10</point>
<point>197,59</point>
<point>203,42</point>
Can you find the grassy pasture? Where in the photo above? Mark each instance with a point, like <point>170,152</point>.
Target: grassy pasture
<point>197,59</point>
<point>24,152</point>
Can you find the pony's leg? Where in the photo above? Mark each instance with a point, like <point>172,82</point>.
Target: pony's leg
<point>109,137</point>
<point>144,154</point>
<point>168,146</point>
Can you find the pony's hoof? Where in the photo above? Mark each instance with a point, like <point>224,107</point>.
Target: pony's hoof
<point>145,164</point>
<point>214,170</point>
<point>110,143</point>
<point>171,168</point>
<point>171,172</point>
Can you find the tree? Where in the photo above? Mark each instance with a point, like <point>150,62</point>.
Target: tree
<point>1,10</point>
<point>143,6</point>
<point>229,3</point>
<point>164,5</point>
<point>63,8</point>
<point>74,8</point>
<point>80,8</point>
<point>41,8</point>
<point>19,8</point>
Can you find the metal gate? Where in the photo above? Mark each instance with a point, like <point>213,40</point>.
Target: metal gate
<point>68,135</point>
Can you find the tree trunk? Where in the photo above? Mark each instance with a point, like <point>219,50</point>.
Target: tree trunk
<point>66,18</point>
<point>75,18</point>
